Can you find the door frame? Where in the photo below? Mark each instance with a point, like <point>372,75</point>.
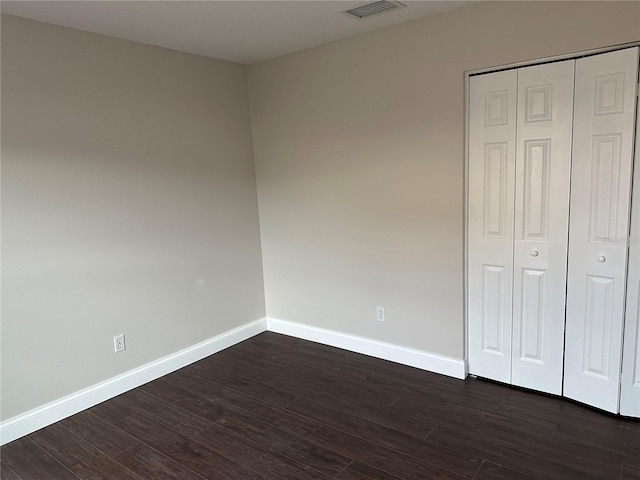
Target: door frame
<point>467,75</point>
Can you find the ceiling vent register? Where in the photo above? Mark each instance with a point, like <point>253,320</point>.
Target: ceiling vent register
<point>375,8</point>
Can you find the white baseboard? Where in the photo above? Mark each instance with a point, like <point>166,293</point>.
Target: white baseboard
<point>40,417</point>
<point>451,367</point>
<point>57,410</point>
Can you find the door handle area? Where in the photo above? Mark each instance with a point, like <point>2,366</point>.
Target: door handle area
<point>534,253</point>
<point>602,259</point>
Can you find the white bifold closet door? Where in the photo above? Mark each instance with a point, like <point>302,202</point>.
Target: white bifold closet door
<point>519,174</point>
<point>605,102</point>
<point>630,381</point>
<point>543,176</point>
<point>492,139</point>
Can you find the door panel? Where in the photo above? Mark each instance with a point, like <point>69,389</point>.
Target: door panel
<point>532,332</point>
<point>598,325</point>
<point>605,92</point>
<point>543,172</point>
<point>630,388</point>
<point>492,134</point>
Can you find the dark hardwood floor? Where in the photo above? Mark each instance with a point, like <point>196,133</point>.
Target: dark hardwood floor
<point>279,408</point>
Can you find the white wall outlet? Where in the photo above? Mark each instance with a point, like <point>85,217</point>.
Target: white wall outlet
<point>380,314</point>
<point>118,343</point>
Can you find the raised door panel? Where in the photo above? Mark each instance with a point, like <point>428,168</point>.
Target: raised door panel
<point>543,172</point>
<point>630,381</point>
<point>605,93</point>
<point>492,120</point>
<point>495,189</point>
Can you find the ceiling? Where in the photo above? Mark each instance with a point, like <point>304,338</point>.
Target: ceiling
<point>239,31</point>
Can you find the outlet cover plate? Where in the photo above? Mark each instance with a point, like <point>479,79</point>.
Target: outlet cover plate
<point>118,343</point>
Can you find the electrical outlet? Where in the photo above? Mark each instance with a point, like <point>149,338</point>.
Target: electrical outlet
<point>118,343</point>
<point>380,314</point>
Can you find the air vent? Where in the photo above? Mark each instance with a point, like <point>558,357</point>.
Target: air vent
<point>375,8</point>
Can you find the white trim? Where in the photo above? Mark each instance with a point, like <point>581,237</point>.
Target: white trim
<point>451,367</point>
<point>465,226</point>
<point>553,58</point>
<point>62,408</point>
<point>57,410</point>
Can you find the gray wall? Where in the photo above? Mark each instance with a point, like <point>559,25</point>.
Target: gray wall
<point>128,206</point>
<point>359,148</point>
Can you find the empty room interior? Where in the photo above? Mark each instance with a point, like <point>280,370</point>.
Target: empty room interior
<point>272,240</point>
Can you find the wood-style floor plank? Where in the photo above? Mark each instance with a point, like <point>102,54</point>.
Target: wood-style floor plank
<point>492,424</point>
<point>6,473</point>
<point>333,388</point>
<point>280,408</point>
<point>283,418</point>
<point>360,471</point>
<point>99,433</point>
<point>537,467</point>
<point>393,419</point>
<point>149,463</point>
<point>422,450</point>
<point>629,473</point>
<point>255,456</point>
<point>282,442</point>
<point>612,442</point>
<point>492,471</point>
<point>33,463</point>
<point>378,456</point>
<point>263,391</point>
<point>411,387</point>
<point>185,451</point>
<point>79,456</point>
<point>137,401</point>
<point>171,392</point>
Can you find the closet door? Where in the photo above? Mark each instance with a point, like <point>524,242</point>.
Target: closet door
<point>604,115</point>
<point>492,135</point>
<point>543,172</point>
<point>630,382</point>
